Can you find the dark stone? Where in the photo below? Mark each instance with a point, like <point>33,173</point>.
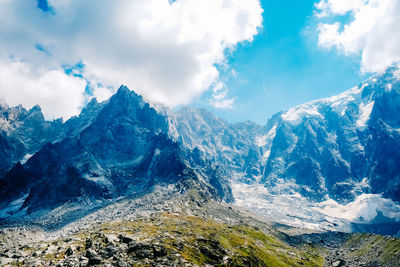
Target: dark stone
<point>90,253</point>
<point>109,251</point>
<point>69,251</point>
<point>141,251</point>
<point>159,251</point>
<point>88,243</point>
<point>93,257</point>
<point>125,239</point>
<point>94,261</point>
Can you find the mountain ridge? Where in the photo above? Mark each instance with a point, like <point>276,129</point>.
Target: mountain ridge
<point>327,152</point>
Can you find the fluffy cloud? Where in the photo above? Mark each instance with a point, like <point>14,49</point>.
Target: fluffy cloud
<point>58,93</point>
<point>218,98</point>
<point>165,50</point>
<point>372,33</point>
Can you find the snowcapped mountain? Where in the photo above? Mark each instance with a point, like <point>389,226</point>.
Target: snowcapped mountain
<point>340,150</point>
<point>337,160</point>
<point>342,146</point>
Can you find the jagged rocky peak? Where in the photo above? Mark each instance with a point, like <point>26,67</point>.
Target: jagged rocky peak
<point>125,94</point>
<point>341,149</point>
<point>23,132</point>
<point>117,148</point>
<point>326,136</point>
<point>3,104</point>
<point>336,149</point>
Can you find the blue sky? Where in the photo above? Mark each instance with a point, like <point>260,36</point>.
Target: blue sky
<point>284,66</point>
<point>243,59</point>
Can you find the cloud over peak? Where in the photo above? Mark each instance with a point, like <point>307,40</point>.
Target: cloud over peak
<point>373,32</point>
<point>167,51</point>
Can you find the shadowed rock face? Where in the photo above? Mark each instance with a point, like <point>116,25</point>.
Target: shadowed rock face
<point>124,150</point>
<point>23,132</point>
<point>338,147</point>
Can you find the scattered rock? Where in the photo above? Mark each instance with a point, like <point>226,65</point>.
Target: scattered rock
<point>141,251</point>
<point>338,263</point>
<point>291,253</point>
<point>125,239</point>
<point>69,251</point>
<point>121,264</point>
<point>159,251</point>
<point>88,243</point>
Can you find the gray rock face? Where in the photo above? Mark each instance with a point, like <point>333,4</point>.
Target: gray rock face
<point>230,147</point>
<point>341,146</point>
<point>123,149</point>
<point>337,147</point>
<point>22,133</point>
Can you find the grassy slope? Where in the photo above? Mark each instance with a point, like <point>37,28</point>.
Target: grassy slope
<point>183,240</point>
<point>376,249</point>
<point>215,235</point>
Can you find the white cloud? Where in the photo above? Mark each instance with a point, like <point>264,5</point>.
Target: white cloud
<point>57,93</point>
<point>101,93</point>
<point>166,51</point>
<point>218,98</point>
<point>372,33</point>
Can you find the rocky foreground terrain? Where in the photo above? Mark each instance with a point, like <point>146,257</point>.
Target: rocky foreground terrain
<point>205,233</point>
<point>128,183</point>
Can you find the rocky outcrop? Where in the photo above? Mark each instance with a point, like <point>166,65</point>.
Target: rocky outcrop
<point>122,149</point>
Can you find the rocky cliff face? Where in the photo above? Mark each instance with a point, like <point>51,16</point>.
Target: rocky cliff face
<point>334,148</point>
<point>343,149</point>
<point>342,146</point>
<point>332,151</point>
<point>231,147</point>
<point>122,149</point>
<point>22,133</point>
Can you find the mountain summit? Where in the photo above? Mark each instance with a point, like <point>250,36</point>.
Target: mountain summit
<point>123,151</point>
<point>326,156</point>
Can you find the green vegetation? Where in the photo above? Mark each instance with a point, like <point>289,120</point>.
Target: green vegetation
<point>172,239</point>
<point>374,248</point>
<point>202,242</point>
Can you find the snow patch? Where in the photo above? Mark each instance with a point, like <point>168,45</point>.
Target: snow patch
<point>365,113</point>
<point>295,210</point>
<point>338,103</point>
<point>26,158</point>
<point>157,152</point>
<point>265,156</point>
<point>265,139</point>
<point>261,140</point>
<point>13,207</point>
<point>294,116</point>
<point>363,209</point>
<point>285,208</point>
